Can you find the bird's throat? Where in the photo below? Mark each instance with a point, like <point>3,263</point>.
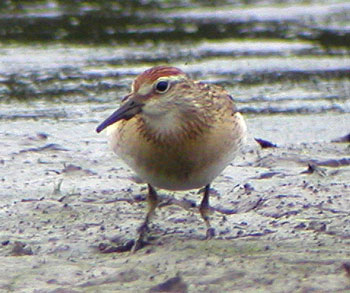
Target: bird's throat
<point>165,124</point>
<point>172,127</point>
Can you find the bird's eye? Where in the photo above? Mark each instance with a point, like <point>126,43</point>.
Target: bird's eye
<point>162,86</point>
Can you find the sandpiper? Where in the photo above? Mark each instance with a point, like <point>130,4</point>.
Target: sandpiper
<point>176,134</point>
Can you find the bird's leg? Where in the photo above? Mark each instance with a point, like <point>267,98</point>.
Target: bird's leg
<point>152,202</point>
<point>204,211</point>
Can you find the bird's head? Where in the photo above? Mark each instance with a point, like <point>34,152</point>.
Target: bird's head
<point>154,93</point>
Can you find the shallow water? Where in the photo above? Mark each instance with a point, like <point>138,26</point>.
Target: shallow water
<point>269,56</point>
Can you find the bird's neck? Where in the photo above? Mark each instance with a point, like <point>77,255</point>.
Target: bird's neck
<point>173,126</point>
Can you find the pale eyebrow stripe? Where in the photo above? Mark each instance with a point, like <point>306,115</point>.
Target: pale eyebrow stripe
<point>146,88</point>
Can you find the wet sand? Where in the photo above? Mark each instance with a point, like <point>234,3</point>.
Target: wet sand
<point>282,227</point>
<point>281,214</point>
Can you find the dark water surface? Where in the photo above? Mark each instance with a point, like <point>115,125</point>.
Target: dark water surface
<point>272,57</point>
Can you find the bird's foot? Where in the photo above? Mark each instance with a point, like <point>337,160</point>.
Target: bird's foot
<point>140,241</point>
<point>210,233</point>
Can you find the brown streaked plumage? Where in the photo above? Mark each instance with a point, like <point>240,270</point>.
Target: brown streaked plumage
<point>176,134</point>
<point>152,74</point>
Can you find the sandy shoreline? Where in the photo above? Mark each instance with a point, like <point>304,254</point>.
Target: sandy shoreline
<point>287,229</point>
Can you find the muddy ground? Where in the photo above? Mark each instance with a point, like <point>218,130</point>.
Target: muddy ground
<point>282,226</point>
<point>281,214</point>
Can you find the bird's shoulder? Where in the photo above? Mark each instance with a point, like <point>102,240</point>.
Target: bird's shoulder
<point>218,95</point>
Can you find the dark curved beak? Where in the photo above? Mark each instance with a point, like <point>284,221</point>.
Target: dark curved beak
<point>126,111</point>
